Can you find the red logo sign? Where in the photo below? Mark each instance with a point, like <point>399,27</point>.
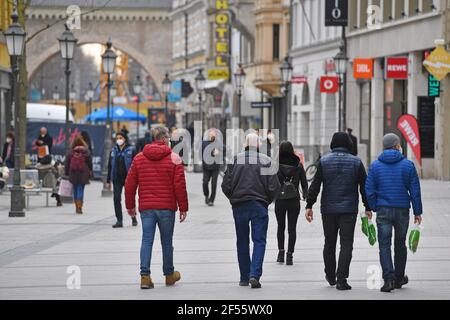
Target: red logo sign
<point>363,68</point>
<point>396,68</point>
<point>299,79</point>
<point>407,124</point>
<point>329,84</point>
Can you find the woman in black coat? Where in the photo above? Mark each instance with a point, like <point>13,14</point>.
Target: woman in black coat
<point>291,174</point>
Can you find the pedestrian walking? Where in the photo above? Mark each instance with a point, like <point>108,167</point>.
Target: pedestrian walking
<point>391,186</point>
<point>250,191</point>
<point>119,163</point>
<point>48,174</point>
<point>159,175</point>
<point>210,168</point>
<point>341,174</point>
<point>44,142</point>
<point>8,150</point>
<point>142,142</point>
<point>354,149</point>
<point>78,168</point>
<point>291,175</point>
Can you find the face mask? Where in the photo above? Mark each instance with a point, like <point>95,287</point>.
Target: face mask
<point>120,142</point>
<point>8,140</point>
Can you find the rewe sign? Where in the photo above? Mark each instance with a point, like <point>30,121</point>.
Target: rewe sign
<point>396,68</point>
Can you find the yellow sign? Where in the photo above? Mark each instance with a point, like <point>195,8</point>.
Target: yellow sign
<point>4,57</point>
<point>218,74</point>
<point>438,63</point>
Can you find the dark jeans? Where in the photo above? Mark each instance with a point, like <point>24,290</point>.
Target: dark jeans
<point>388,218</point>
<point>291,208</point>
<point>344,225</point>
<point>255,214</point>
<point>78,192</point>
<point>165,219</point>
<point>117,191</point>
<point>210,175</point>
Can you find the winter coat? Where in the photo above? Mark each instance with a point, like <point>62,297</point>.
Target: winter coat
<point>393,182</point>
<point>79,177</point>
<point>47,141</point>
<point>159,174</point>
<point>341,174</point>
<point>244,181</point>
<point>290,167</point>
<point>9,161</point>
<point>128,153</point>
<point>210,166</point>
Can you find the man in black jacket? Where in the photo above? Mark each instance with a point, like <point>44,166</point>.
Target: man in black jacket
<point>251,186</point>
<point>44,139</point>
<point>354,140</point>
<point>341,174</point>
<point>211,167</point>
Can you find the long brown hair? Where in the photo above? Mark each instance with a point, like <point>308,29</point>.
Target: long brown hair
<point>78,141</point>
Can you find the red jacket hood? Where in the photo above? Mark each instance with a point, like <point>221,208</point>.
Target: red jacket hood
<point>156,151</point>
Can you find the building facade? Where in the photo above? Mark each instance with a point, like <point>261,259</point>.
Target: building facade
<point>313,115</point>
<point>397,34</point>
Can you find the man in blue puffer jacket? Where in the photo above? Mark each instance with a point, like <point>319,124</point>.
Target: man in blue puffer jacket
<point>392,184</point>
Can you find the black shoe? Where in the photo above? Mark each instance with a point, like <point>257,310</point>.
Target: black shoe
<point>400,283</point>
<point>134,222</point>
<point>210,203</point>
<point>255,284</point>
<point>243,283</point>
<point>280,256</point>
<point>389,285</point>
<point>343,285</point>
<point>59,204</point>
<point>289,259</point>
<point>332,282</point>
<point>206,200</point>
<point>117,225</point>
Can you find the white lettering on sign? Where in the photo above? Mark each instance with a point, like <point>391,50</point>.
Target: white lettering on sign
<point>363,68</point>
<point>410,133</point>
<point>397,67</point>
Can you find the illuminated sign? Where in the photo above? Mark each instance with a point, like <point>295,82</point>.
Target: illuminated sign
<point>221,46</point>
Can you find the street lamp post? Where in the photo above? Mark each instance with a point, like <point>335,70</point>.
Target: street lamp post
<point>90,96</point>
<point>15,39</point>
<point>137,87</point>
<point>166,84</point>
<point>286,76</point>
<point>239,77</point>
<point>109,65</point>
<point>200,82</point>
<point>67,42</point>
<point>341,69</point>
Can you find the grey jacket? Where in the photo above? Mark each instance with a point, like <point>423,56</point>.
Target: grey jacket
<point>243,180</point>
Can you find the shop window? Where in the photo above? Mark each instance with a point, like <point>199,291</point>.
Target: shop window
<point>428,6</point>
<point>305,95</point>
<point>276,42</point>
<point>400,11</point>
<point>413,7</point>
<point>363,4</point>
<point>388,14</point>
<point>426,119</point>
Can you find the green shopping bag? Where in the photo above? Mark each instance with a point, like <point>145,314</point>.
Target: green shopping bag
<point>414,237</point>
<point>364,223</point>
<point>372,233</point>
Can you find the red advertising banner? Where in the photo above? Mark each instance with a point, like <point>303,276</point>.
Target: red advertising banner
<point>407,124</point>
<point>329,84</point>
<point>396,68</point>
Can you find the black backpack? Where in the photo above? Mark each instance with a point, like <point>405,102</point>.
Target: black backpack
<point>288,190</point>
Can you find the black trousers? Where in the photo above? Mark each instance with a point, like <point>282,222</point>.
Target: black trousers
<point>117,192</point>
<point>344,225</point>
<point>210,175</point>
<point>291,209</point>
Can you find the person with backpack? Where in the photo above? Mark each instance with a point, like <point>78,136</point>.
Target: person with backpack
<point>291,174</point>
<point>78,168</point>
<point>119,163</point>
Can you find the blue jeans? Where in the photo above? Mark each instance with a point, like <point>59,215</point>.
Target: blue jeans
<point>165,219</point>
<point>255,214</point>
<point>78,192</point>
<point>388,218</point>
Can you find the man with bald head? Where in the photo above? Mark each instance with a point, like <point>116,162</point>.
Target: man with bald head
<point>250,191</point>
<point>44,139</point>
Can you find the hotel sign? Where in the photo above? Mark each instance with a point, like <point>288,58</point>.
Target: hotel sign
<point>221,45</point>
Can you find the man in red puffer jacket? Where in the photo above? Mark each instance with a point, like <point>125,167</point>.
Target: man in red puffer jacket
<point>159,174</point>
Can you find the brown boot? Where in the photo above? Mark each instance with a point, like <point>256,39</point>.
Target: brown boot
<point>78,207</point>
<point>146,282</point>
<point>171,279</point>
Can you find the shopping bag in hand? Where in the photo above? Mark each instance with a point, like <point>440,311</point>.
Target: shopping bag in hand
<point>364,223</point>
<point>372,233</point>
<point>65,188</point>
<point>414,237</point>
